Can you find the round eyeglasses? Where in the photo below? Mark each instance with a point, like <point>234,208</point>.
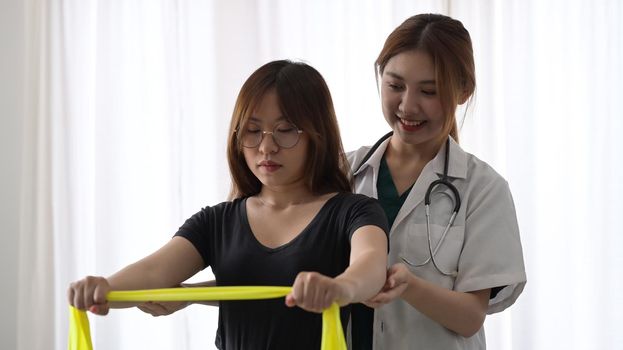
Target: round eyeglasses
<point>285,135</point>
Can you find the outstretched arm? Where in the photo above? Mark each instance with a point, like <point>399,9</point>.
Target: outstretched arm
<point>175,262</point>
<point>363,278</point>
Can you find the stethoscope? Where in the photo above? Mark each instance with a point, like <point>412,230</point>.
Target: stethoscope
<point>455,198</point>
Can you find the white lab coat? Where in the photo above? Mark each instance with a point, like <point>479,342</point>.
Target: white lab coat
<point>483,245</point>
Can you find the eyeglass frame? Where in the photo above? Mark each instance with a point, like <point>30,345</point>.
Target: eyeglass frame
<point>272,134</point>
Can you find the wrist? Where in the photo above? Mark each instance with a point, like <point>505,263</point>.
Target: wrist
<point>412,282</point>
<point>347,290</point>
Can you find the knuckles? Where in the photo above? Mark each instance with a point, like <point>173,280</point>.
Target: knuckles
<point>79,291</point>
<point>313,291</point>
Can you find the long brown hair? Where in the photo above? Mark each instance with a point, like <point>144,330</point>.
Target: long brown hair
<point>450,47</point>
<point>305,100</point>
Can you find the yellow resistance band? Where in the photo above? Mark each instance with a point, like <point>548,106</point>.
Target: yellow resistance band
<point>80,335</point>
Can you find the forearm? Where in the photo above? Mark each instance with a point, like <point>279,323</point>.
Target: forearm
<point>460,312</point>
<point>175,262</point>
<point>133,277</point>
<point>365,276</point>
<point>136,276</point>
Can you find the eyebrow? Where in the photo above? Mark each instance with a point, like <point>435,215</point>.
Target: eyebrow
<point>257,120</point>
<point>399,77</point>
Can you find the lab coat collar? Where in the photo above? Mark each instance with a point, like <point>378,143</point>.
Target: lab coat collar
<point>457,165</point>
<point>375,159</point>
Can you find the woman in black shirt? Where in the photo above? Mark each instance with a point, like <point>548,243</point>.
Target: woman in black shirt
<point>292,221</point>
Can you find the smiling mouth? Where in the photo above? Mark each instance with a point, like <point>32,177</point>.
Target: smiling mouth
<point>411,123</point>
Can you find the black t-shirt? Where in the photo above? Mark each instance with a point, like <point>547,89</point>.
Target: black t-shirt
<point>223,237</point>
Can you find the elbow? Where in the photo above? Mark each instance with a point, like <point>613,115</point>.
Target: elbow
<point>472,326</point>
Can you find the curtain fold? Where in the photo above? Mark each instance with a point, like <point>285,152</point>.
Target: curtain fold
<point>36,295</point>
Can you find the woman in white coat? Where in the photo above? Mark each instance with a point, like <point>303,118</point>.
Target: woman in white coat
<point>439,286</point>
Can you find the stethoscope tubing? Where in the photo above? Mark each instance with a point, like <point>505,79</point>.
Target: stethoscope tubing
<point>456,198</point>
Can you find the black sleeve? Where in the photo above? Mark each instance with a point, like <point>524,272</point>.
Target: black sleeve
<point>366,211</point>
<point>199,229</point>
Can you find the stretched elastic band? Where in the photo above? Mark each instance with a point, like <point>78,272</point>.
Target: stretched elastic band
<point>80,335</point>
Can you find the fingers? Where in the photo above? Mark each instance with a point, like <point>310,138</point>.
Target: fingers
<point>154,309</point>
<point>378,300</point>
<point>70,294</point>
<point>397,274</point>
<point>101,310</point>
<point>389,293</point>
<point>89,293</point>
<point>396,284</point>
<point>161,308</point>
<point>372,304</point>
<point>99,293</point>
<point>313,292</point>
<point>290,301</point>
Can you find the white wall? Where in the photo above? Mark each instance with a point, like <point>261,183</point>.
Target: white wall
<point>11,112</point>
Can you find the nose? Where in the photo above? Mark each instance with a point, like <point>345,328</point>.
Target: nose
<point>409,103</point>
<point>268,145</point>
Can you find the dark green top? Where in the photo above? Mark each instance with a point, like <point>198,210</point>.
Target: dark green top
<point>389,198</point>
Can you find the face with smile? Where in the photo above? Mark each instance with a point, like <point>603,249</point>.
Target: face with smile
<point>275,166</point>
<point>411,103</point>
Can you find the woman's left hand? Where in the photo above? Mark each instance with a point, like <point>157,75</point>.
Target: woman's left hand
<point>398,276</point>
<point>162,308</point>
<point>315,292</point>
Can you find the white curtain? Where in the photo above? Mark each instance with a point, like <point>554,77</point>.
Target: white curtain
<point>128,108</point>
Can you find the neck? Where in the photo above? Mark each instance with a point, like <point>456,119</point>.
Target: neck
<point>281,198</point>
<point>397,149</point>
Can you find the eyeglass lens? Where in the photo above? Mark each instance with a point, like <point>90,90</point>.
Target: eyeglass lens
<point>285,135</point>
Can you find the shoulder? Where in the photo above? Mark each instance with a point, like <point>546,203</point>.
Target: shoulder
<point>349,200</point>
<point>223,209</point>
<point>354,205</point>
<point>355,157</point>
<point>225,206</point>
<point>484,187</point>
<point>357,210</point>
<point>482,175</point>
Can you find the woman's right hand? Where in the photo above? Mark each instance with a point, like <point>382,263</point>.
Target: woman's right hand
<point>90,293</point>
<point>315,292</point>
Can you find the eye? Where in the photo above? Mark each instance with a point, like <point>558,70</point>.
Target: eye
<point>429,92</point>
<point>394,86</point>
<point>286,127</point>
<point>252,129</point>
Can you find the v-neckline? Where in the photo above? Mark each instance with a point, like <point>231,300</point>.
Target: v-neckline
<point>247,226</point>
<point>384,167</point>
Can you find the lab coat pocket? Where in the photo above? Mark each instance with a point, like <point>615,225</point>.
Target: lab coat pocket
<point>446,249</point>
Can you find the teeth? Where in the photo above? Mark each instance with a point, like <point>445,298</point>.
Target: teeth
<point>411,122</point>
